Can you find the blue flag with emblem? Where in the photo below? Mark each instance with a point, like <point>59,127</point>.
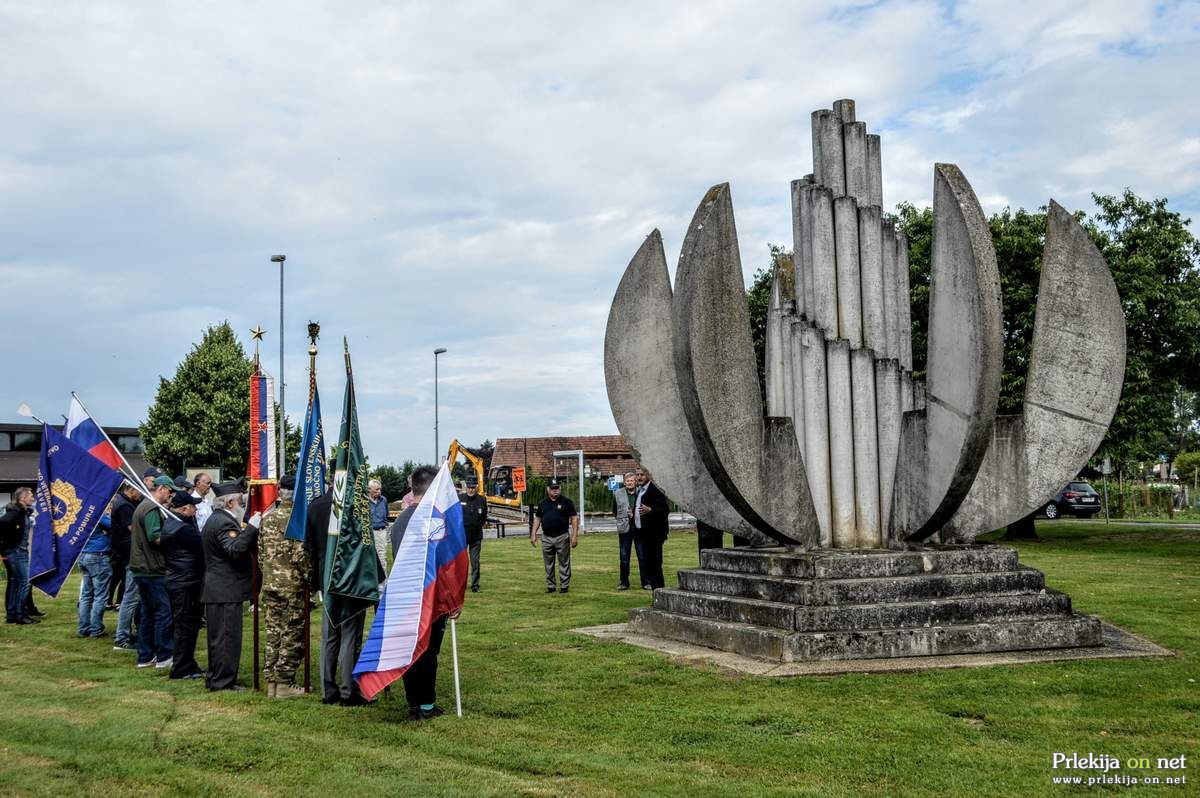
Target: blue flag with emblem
<point>73,488</point>
<point>311,475</point>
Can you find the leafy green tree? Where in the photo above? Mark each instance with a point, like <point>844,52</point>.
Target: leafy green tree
<point>201,415</point>
<point>1186,465</point>
<point>393,480</point>
<point>1155,262</point>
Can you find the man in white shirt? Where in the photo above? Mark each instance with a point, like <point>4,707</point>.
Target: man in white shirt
<point>201,490</point>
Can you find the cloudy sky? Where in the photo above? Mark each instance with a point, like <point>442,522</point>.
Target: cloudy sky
<point>476,175</point>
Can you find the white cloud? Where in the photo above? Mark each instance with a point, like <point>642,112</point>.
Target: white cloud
<point>478,176</point>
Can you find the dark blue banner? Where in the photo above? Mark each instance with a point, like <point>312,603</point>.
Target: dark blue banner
<point>73,488</point>
<point>310,476</point>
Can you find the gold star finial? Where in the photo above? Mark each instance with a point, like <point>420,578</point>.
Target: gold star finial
<point>258,333</point>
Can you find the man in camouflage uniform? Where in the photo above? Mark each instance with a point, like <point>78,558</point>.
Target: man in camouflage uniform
<point>284,565</point>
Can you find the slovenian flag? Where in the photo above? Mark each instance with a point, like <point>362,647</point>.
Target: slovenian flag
<point>428,580</point>
<point>83,431</point>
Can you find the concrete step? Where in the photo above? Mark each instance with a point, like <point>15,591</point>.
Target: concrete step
<point>744,638</point>
<point>1071,631</point>
<point>777,645</point>
<point>933,612</point>
<point>850,617</point>
<point>860,591</point>
<point>755,612</point>
<point>860,564</point>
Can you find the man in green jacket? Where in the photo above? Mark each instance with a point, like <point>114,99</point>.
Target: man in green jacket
<point>148,564</point>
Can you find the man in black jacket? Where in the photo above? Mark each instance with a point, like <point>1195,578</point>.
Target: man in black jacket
<point>14,546</point>
<point>475,515</point>
<point>651,524</point>
<point>228,581</point>
<point>185,578</point>
<point>340,643</point>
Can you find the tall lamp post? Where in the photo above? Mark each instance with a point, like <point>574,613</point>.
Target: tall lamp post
<point>437,445</point>
<point>282,412</point>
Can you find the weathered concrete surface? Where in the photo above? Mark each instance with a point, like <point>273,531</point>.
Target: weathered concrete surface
<point>854,136</point>
<point>774,353</point>
<point>756,465</point>
<point>829,163</point>
<point>844,528</point>
<point>866,450</point>
<point>802,245</point>
<point>1071,391</point>
<point>639,372</point>
<point>816,428</point>
<point>857,564</point>
<point>824,308</point>
<point>1117,644</point>
<point>903,304</point>
<point>795,332</point>
<point>849,289</point>
<point>891,304</point>
<point>870,256</point>
<point>964,361</point>
<point>874,171</point>
<point>888,420</point>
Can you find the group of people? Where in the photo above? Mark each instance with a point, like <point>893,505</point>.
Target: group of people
<point>178,560</point>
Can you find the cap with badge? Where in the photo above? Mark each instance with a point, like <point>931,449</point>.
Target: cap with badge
<point>182,483</point>
<point>164,481</point>
<point>151,472</point>
<point>553,484</point>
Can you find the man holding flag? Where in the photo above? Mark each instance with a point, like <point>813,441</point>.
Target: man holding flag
<point>73,488</point>
<point>352,569</point>
<point>426,587</point>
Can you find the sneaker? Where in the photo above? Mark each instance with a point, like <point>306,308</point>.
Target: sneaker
<point>645,587</point>
<point>123,647</point>
<point>149,664</point>
<point>26,619</point>
<point>287,691</point>
<point>474,588</point>
<point>100,634</point>
<point>430,714</point>
<point>622,587</point>
<point>165,663</point>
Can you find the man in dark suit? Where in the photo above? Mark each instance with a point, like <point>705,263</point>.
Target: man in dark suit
<point>650,526</point>
<point>228,581</point>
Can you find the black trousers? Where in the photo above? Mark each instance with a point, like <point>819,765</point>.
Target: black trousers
<point>652,561</point>
<point>116,585</point>
<point>420,680</point>
<point>340,647</point>
<point>224,644</point>
<point>186,612</point>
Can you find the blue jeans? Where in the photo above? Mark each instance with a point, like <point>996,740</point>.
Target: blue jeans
<point>96,570</point>
<point>154,620</point>
<point>130,602</point>
<point>627,543</point>
<point>16,592</point>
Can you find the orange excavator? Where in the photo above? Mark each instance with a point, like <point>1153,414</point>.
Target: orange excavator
<point>476,462</point>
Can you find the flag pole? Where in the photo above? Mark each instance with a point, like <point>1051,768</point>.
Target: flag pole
<point>314,331</point>
<point>454,652</point>
<point>130,474</point>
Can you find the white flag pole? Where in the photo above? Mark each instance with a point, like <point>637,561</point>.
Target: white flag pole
<point>454,652</point>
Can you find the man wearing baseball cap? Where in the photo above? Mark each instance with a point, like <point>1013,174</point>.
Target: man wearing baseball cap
<point>558,521</point>
<point>148,563</point>
<point>185,577</point>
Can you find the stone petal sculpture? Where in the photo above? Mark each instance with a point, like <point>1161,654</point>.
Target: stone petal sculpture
<point>853,453</point>
<point>1070,393</point>
<point>639,370</point>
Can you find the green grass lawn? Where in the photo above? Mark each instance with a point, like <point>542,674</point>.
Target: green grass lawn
<point>548,712</point>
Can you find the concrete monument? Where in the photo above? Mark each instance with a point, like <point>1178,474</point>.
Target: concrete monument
<point>857,468</point>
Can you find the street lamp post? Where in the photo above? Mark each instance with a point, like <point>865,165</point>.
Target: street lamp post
<point>282,412</point>
<point>437,446</point>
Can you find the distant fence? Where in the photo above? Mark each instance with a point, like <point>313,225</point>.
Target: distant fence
<point>1143,499</point>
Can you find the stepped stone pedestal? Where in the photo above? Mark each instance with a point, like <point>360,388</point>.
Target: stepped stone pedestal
<point>788,606</point>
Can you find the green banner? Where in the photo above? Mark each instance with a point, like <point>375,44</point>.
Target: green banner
<point>352,568</point>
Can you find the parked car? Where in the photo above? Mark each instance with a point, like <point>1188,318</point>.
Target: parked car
<point>1076,498</point>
